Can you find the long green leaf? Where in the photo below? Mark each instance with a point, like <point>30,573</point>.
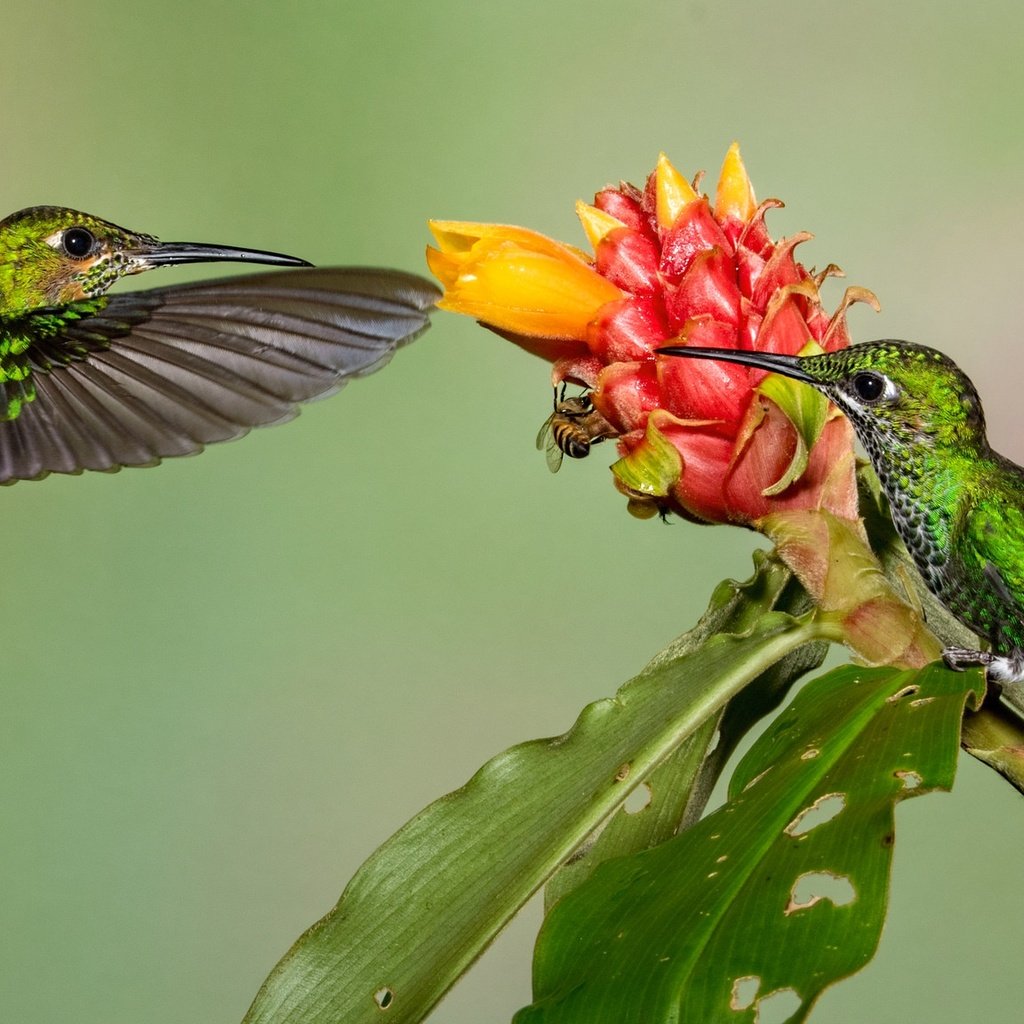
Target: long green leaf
<point>779,893</point>
<point>430,900</point>
<point>651,815</point>
<point>677,791</point>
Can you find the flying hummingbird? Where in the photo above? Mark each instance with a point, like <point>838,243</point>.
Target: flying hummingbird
<point>957,504</point>
<point>89,381</point>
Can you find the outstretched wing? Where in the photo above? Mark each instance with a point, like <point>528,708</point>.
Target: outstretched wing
<point>164,372</point>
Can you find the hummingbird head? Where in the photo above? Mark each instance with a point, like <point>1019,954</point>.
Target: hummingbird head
<point>900,397</point>
<point>51,256</point>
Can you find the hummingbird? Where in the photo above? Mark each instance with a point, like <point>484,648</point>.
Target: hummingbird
<point>99,382</point>
<point>957,505</point>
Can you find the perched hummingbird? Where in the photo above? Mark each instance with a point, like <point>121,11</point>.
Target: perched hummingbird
<point>957,504</point>
<point>89,381</point>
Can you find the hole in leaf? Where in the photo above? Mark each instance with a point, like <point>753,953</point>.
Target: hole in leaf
<point>910,779</point>
<point>809,754</point>
<point>814,886</point>
<point>778,1006</point>
<point>825,808</point>
<point>638,799</point>
<point>744,992</point>
<point>383,997</point>
<point>907,691</point>
<point>756,779</point>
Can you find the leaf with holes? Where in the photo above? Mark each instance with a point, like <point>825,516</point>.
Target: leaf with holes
<point>429,900</point>
<point>676,792</point>
<point>778,894</point>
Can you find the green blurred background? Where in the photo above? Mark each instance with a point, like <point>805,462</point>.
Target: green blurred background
<point>228,679</point>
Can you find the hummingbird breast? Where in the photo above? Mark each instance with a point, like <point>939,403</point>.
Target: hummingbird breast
<point>922,501</point>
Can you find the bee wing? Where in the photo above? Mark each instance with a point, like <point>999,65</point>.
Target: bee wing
<point>161,373</point>
<point>546,442</point>
<point>544,434</point>
<point>553,454</point>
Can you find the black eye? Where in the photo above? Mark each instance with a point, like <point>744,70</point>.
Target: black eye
<point>869,386</point>
<point>78,242</point>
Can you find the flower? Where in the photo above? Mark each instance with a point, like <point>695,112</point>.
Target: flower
<point>518,281</point>
<point>712,441</point>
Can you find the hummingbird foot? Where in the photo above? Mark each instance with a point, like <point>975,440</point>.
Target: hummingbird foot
<point>999,668</point>
<point>959,659</point>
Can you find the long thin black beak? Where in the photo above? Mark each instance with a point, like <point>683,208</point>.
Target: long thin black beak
<point>788,366</point>
<point>152,253</point>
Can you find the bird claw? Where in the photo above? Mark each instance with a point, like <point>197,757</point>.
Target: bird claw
<point>959,659</point>
<point>998,668</point>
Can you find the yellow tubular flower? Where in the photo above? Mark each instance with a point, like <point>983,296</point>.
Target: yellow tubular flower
<point>517,280</point>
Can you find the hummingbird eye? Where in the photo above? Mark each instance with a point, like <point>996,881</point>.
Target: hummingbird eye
<point>869,386</point>
<point>78,242</point>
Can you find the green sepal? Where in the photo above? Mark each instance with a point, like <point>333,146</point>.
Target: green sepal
<point>806,408</point>
<point>783,890</point>
<point>653,468</point>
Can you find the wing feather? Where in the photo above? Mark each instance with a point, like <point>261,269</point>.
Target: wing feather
<point>162,373</point>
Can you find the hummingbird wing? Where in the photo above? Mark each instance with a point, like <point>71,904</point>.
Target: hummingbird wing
<point>995,542</point>
<point>164,372</point>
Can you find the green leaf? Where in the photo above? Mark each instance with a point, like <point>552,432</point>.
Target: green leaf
<point>650,816</point>
<point>431,899</point>
<point>994,734</point>
<point>779,893</point>
<point>677,791</point>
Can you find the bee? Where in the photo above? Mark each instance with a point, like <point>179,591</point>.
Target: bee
<point>571,429</point>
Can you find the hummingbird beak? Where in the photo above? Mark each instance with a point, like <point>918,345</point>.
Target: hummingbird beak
<point>788,366</point>
<point>151,253</point>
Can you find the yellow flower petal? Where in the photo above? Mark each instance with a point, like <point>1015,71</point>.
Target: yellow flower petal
<point>443,266</point>
<point>596,223</point>
<point>735,196</point>
<point>672,192</point>
<point>459,236</point>
<point>517,280</point>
